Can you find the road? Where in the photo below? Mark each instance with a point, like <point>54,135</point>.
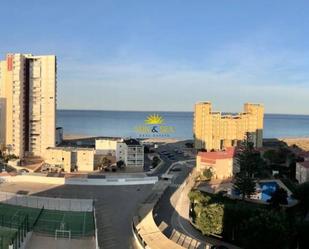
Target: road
<point>172,213</point>
<point>166,151</point>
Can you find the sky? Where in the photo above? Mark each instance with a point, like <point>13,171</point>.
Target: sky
<point>166,55</point>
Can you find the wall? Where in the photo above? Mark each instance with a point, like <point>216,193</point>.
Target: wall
<point>80,181</point>
<point>222,168</point>
<point>59,157</point>
<point>85,160</point>
<point>106,146</point>
<point>302,173</point>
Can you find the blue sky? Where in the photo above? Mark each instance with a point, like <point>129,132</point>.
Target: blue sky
<point>168,54</point>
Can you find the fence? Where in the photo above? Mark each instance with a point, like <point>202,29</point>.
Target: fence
<point>62,204</point>
<point>13,231</point>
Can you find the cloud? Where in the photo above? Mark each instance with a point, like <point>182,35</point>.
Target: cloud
<point>232,74</point>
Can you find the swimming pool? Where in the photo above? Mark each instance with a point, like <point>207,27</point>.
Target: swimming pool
<point>267,188</point>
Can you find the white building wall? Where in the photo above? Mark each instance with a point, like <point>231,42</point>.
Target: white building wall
<point>302,173</point>
<point>106,146</point>
<point>121,151</point>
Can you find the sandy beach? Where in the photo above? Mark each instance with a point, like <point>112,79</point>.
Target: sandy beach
<point>302,143</point>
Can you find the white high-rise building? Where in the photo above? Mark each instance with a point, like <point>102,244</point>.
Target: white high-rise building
<point>28,103</point>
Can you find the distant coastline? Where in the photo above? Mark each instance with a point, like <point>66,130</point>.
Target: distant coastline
<point>121,124</point>
<point>168,111</point>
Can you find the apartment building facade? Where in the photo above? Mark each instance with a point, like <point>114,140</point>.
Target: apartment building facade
<point>28,103</point>
<point>71,159</point>
<point>215,131</point>
<point>130,151</point>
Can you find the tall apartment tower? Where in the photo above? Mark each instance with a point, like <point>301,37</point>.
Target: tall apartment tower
<point>212,130</point>
<point>28,103</point>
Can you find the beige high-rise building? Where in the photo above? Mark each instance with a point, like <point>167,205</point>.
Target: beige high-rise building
<point>28,103</point>
<point>212,130</point>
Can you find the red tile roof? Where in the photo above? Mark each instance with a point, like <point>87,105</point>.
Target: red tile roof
<point>211,157</point>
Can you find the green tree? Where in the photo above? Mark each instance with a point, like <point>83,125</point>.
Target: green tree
<point>208,173</point>
<point>267,230</point>
<point>301,193</point>
<point>120,164</point>
<point>245,185</point>
<point>198,197</point>
<point>210,219</point>
<point>105,162</point>
<point>248,159</point>
<point>271,156</point>
<point>250,164</point>
<point>279,197</point>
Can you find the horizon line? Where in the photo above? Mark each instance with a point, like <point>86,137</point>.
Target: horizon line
<point>109,110</point>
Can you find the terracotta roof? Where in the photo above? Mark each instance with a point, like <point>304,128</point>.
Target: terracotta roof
<point>211,157</point>
<point>305,164</point>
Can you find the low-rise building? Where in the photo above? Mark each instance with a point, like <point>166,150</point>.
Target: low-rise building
<point>130,151</point>
<point>133,153</point>
<point>221,163</point>
<point>71,158</point>
<point>302,171</point>
<point>106,146</point>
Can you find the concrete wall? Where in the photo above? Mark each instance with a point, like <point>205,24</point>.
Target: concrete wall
<point>59,157</point>
<point>106,146</point>
<point>85,160</point>
<point>80,181</point>
<point>70,158</point>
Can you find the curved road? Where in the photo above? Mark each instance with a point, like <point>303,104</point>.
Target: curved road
<point>172,213</point>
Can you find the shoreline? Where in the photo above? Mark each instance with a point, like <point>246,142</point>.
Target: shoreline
<point>301,142</point>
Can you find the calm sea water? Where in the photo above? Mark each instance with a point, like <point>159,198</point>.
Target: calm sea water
<point>122,123</point>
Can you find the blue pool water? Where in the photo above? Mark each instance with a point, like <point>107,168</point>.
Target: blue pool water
<point>267,189</point>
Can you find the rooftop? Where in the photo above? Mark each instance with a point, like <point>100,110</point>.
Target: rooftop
<point>70,148</point>
<point>212,156</point>
<point>131,141</point>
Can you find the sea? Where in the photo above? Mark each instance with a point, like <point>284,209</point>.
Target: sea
<point>124,123</point>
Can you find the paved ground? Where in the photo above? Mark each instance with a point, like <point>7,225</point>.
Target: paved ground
<point>25,187</point>
<point>40,242</point>
<point>115,207</point>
